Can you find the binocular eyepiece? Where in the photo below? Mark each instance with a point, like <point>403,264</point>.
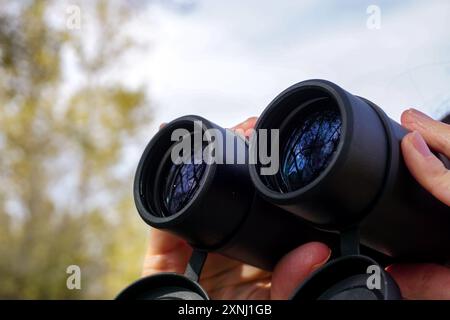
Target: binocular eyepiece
<point>335,169</point>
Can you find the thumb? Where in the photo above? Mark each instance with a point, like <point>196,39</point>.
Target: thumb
<point>296,266</point>
<point>428,170</point>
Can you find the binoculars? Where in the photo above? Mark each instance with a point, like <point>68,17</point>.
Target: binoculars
<point>321,165</point>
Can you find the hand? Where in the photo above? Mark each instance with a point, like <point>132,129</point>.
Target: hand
<point>425,281</point>
<point>224,278</point>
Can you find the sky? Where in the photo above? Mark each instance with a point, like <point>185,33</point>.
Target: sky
<point>226,60</point>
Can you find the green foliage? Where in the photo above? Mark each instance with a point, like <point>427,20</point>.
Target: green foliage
<point>64,199</point>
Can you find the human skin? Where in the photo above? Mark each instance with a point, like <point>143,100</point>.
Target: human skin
<point>224,278</point>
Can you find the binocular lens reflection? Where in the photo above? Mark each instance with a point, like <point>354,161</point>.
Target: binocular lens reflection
<point>309,148</point>
<point>182,182</point>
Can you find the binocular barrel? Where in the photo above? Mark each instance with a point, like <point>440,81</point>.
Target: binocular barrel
<point>341,167</point>
<point>213,204</point>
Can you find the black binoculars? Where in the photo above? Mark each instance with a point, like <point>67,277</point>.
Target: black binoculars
<point>322,165</point>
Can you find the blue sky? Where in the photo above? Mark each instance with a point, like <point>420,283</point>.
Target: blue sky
<point>226,60</point>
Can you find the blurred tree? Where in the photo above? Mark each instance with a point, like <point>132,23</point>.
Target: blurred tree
<point>65,192</point>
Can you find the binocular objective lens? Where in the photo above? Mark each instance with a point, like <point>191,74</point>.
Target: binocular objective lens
<point>313,139</point>
<point>182,182</point>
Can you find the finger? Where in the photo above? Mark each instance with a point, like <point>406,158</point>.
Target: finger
<point>435,133</point>
<point>165,253</point>
<point>221,274</point>
<point>162,242</point>
<point>162,125</point>
<point>422,281</point>
<point>247,124</point>
<point>217,265</point>
<point>426,168</point>
<point>296,266</point>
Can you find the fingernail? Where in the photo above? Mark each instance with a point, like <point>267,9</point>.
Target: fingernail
<point>318,265</point>
<point>418,115</point>
<point>239,132</point>
<point>420,145</point>
<point>249,132</point>
<point>240,125</point>
<point>249,121</point>
<point>246,122</point>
